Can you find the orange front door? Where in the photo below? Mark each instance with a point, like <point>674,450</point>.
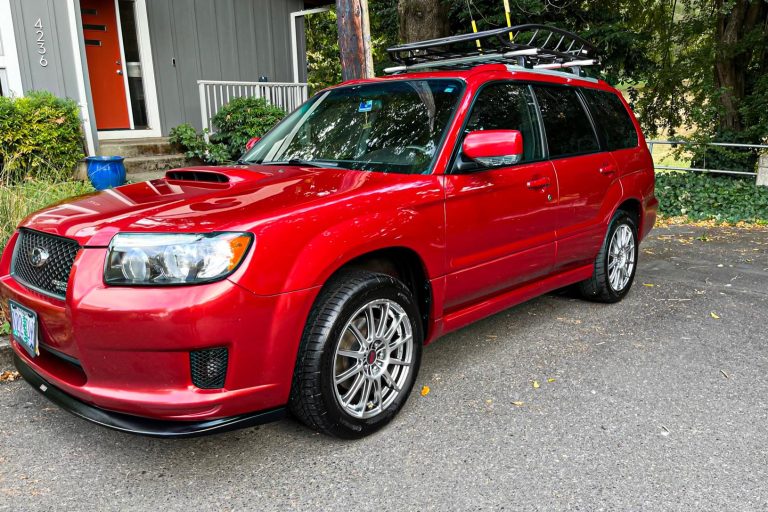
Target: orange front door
<point>105,64</point>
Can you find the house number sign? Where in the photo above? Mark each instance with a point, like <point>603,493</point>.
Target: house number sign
<point>41,49</point>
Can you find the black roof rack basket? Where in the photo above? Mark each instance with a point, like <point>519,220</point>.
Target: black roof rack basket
<point>530,46</point>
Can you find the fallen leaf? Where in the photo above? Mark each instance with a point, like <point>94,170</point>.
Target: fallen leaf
<point>425,391</point>
<point>489,402</point>
<point>9,376</point>
<point>518,404</point>
<point>725,374</point>
<point>714,315</point>
<point>550,380</point>
<point>536,384</point>
<point>649,285</point>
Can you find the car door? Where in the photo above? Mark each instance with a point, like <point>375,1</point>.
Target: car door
<point>500,222</point>
<point>584,173</point>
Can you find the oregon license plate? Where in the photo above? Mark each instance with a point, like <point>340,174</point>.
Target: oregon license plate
<point>24,327</point>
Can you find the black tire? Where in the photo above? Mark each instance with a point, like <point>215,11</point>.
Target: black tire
<point>598,288</point>
<point>313,396</point>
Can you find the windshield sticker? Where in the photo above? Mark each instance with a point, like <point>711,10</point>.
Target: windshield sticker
<point>449,89</point>
<point>365,106</point>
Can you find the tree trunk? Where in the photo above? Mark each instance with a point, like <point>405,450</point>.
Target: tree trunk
<point>422,19</point>
<point>732,58</point>
<point>354,39</point>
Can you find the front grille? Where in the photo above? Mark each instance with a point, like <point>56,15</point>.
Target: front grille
<point>43,262</point>
<point>209,367</point>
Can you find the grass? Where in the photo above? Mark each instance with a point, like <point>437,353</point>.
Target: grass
<point>18,201</point>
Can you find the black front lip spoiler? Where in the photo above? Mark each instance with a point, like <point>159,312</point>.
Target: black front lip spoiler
<point>137,424</point>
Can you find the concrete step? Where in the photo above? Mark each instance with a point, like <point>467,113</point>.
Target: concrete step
<point>129,148</point>
<point>157,164</point>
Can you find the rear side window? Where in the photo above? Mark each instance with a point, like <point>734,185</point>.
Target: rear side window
<point>569,130</point>
<point>612,119</point>
<point>508,106</point>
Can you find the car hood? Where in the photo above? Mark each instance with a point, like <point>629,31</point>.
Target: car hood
<point>204,199</point>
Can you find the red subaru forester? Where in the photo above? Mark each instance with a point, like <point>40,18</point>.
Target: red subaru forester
<point>377,217</point>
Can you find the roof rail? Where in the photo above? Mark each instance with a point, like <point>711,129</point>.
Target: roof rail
<point>528,46</point>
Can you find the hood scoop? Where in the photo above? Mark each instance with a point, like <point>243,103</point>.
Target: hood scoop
<point>197,176</point>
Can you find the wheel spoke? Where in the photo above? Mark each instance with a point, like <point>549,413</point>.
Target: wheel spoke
<point>349,395</point>
<point>363,404</point>
<point>402,339</point>
<point>358,336</point>
<point>398,362</point>
<point>393,328</point>
<point>390,381</point>
<point>377,397</point>
<point>383,321</point>
<point>349,373</point>
<point>370,323</point>
<point>350,353</point>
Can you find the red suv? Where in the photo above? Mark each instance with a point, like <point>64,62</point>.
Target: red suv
<point>377,217</point>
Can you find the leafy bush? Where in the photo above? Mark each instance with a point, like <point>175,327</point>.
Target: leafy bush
<point>244,118</point>
<point>236,123</point>
<point>195,146</point>
<point>19,200</point>
<point>40,137</point>
<point>705,197</point>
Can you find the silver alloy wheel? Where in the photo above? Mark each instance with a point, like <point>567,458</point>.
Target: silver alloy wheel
<point>373,358</point>
<point>621,258</point>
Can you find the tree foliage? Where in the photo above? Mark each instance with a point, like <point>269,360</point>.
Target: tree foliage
<point>697,68</point>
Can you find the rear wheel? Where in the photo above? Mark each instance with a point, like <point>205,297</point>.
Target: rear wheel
<point>359,355</point>
<point>616,262</point>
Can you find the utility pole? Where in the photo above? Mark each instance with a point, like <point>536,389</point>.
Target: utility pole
<point>354,39</point>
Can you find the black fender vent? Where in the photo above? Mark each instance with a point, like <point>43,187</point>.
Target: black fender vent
<point>203,176</point>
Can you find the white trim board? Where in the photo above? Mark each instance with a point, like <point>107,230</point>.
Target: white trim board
<point>10,60</point>
<point>123,65</point>
<point>294,37</point>
<point>72,11</point>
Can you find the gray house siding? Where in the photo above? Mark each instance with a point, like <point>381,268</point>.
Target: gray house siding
<point>58,76</point>
<point>223,40</point>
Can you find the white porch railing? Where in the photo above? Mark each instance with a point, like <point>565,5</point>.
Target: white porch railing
<point>214,94</point>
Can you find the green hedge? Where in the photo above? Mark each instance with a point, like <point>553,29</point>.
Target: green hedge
<point>236,123</point>
<point>40,137</point>
<point>706,197</point>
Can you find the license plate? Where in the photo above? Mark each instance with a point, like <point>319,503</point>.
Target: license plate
<point>24,328</point>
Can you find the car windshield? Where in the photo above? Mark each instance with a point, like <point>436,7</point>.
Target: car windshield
<point>393,126</point>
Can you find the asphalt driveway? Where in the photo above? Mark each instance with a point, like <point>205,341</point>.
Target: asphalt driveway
<point>656,403</point>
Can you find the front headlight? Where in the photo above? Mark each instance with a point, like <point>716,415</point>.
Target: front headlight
<point>173,259</point>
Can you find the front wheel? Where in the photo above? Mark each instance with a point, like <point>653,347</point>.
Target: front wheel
<point>616,263</point>
<point>359,355</point>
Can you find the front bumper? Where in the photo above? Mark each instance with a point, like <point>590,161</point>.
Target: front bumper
<point>125,351</point>
<point>138,424</point>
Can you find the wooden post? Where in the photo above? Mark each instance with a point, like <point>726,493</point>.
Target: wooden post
<point>762,171</point>
<point>354,39</point>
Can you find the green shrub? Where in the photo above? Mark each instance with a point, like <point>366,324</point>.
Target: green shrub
<point>19,200</point>
<point>236,123</point>
<point>40,137</point>
<point>706,197</point>
<point>195,146</point>
<point>243,118</point>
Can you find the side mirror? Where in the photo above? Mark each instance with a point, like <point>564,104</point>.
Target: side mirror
<point>251,142</point>
<point>494,148</point>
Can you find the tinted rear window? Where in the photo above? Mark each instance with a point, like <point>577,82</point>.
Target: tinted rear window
<point>569,130</point>
<point>612,119</point>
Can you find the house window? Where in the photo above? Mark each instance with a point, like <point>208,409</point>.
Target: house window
<point>4,83</point>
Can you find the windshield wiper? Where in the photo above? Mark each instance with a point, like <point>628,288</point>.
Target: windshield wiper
<point>296,161</point>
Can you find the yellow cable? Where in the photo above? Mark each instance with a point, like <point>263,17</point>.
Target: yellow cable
<point>474,29</point>
<point>507,11</point>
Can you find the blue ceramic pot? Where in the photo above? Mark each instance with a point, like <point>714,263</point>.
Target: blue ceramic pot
<point>106,171</point>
